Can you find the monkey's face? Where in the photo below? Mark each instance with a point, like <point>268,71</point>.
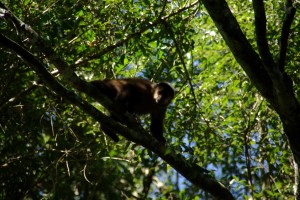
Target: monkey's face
<point>163,94</point>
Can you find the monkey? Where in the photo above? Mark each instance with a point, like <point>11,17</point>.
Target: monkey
<point>139,96</point>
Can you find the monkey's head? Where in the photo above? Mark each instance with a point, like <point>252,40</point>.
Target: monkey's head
<point>163,93</point>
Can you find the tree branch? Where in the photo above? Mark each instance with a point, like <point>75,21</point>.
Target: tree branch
<point>64,69</point>
<point>52,83</point>
<point>5,103</point>
<point>261,34</point>
<point>287,22</point>
<point>179,52</point>
<point>190,171</point>
<point>135,34</point>
<point>273,83</point>
<point>239,45</point>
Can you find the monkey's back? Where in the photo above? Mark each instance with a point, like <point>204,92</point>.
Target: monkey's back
<point>133,93</point>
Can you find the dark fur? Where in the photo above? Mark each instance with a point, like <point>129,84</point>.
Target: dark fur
<point>137,96</point>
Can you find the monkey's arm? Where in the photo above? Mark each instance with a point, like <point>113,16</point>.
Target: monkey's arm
<point>157,124</point>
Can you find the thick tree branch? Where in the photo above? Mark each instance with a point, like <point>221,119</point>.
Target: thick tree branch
<point>190,171</point>
<point>239,45</point>
<point>65,70</point>
<point>261,34</point>
<point>273,83</point>
<point>290,12</point>
<point>54,84</point>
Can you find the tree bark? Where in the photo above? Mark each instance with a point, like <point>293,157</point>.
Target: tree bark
<point>269,78</point>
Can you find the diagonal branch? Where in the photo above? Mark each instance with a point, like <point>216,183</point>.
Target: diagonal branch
<point>191,171</point>
<point>287,22</point>
<point>63,68</point>
<point>51,82</point>
<point>179,52</point>
<point>239,45</point>
<point>261,34</point>
<point>273,83</point>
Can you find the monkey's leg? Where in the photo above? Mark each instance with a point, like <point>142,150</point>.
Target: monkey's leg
<point>108,131</point>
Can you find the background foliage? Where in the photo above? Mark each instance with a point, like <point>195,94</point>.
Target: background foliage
<point>51,149</point>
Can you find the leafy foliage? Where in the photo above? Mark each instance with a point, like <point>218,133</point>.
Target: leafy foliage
<point>51,149</point>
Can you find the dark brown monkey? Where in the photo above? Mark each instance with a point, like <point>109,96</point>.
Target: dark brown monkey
<point>139,96</point>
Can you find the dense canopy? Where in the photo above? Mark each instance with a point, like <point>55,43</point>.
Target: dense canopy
<point>232,131</point>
